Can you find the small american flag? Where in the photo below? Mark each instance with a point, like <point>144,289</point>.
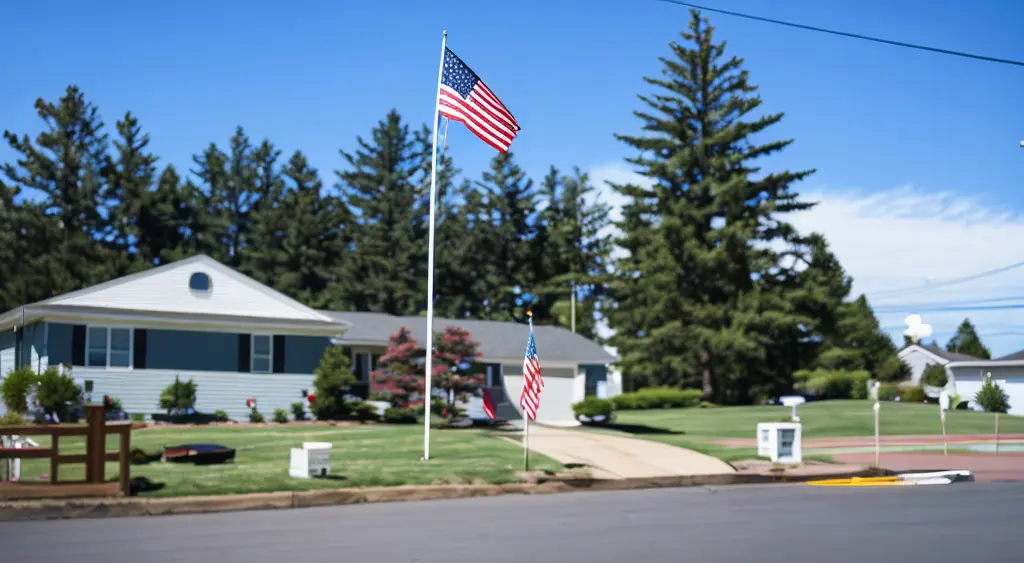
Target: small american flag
<point>488,404</point>
<point>466,99</point>
<point>533,383</point>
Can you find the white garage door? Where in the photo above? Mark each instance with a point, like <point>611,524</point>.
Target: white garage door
<point>1014,387</point>
<point>556,399</point>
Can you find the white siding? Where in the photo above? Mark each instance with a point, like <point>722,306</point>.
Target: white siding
<point>7,343</point>
<point>139,390</point>
<point>168,291</point>
<point>1010,378</point>
<point>917,361</point>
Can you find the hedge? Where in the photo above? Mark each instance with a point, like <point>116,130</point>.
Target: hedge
<point>657,398</point>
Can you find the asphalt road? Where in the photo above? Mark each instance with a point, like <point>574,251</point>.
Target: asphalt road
<point>974,522</point>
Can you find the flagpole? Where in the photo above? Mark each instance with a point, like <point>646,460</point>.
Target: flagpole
<point>430,261</point>
<point>526,417</point>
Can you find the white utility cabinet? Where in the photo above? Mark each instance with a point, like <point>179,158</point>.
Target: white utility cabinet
<point>780,442</point>
<point>313,459</point>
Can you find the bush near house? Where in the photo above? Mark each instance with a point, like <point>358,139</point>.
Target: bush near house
<point>594,407</point>
<point>912,394</point>
<point>992,397</point>
<point>58,394</point>
<point>934,375</point>
<point>179,396</point>
<point>657,398</point>
<point>280,416</point>
<point>16,387</point>
<point>832,384</point>
<point>888,391</point>
<point>334,379</point>
<point>299,411</point>
<point>398,415</point>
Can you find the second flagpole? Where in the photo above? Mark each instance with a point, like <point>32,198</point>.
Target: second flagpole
<point>430,261</point>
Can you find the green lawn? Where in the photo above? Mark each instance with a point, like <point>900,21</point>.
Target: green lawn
<point>695,428</point>
<point>362,456</point>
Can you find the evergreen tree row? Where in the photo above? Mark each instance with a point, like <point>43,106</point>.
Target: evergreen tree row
<point>97,205</point>
<point>715,289</point>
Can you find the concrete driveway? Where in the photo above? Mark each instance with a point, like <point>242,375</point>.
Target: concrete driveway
<point>620,457</point>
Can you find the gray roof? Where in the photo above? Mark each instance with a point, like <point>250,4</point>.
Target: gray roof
<point>497,339</point>
<point>1016,356</point>
<point>950,356</point>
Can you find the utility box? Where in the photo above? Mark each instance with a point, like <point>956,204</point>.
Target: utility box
<point>780,442</point>
<point>313,459</point>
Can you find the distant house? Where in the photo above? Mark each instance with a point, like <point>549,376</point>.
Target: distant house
<point>237,338</point>
<point>919,356</point>
<point>967,373</point>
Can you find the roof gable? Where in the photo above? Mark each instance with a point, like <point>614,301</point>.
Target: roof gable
<point>936,353</point>
<point>166,289</point>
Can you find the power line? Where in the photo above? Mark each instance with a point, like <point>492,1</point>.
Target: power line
<point>851,35</point>
<point>951,309</point>
<point>959,303</point>
<point>954,281</point>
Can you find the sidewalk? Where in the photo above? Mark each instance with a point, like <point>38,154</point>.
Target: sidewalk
<point>614,457</point>
<point>861,441</point>
<point>986,467</point>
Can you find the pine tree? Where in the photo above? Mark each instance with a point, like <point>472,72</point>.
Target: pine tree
<point>703,234</point>
<point>132,178</point>
<point>387,270</point>
<point>574,247</point>
<point>510,205</point>
<point>68,165</point>
<point>967,341</point>
<point>296,237</point>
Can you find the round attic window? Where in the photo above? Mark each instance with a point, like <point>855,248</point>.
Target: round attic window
<point>199,282</point>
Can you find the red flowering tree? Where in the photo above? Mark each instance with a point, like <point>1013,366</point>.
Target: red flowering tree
<point>400,372</point>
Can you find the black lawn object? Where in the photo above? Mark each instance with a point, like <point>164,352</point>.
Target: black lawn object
<point>199,454</point>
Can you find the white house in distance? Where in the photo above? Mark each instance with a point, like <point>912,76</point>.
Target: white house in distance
<point>967,373</point>
<point>237,338</point>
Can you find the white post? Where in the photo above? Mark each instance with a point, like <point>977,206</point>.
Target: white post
<point>574,307</point>
<point>997,433</point>
<point>878,445</point>
<point>943,407</point>
<point>430,262</point>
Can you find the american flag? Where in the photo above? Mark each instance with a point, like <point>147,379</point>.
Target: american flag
<point>488,404</point>
<point>466,99</point>
<point>533,383</point>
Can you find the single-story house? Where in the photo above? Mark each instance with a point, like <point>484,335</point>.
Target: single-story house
<point>967,373</point>
<point>919,356</point>
<point>237,339</point>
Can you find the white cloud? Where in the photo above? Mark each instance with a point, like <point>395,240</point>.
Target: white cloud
<point>908,238</point>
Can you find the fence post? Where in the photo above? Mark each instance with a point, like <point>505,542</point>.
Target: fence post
<point>95,444</point>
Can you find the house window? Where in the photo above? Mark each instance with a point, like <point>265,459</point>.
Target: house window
<point>199,282</point>
<point>108,347</point>
<point>262,353</point>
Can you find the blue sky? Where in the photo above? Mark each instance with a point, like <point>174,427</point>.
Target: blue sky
<point>919,168</point>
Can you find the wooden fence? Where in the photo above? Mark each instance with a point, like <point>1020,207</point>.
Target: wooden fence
<point>95,457</point>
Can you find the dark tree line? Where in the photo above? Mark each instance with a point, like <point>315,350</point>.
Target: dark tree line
<point>100,205</point>
<point>716,290</point>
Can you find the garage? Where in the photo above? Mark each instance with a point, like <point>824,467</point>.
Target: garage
<point>1008,374</point>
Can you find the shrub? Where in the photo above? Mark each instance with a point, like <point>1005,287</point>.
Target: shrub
<point>221,415</point>
<point>16,387</point>
<point>398,415</point>
<point>11,418</point>
<point>657,398</point>
<point>364,411</point>
<point>57,393</point>
<point>256,416</point>
<point>299,411</point>
<point>892,368</point>
<point>333,380</point>
<point>826,384</point>
<point>860,385</point>
<point>594,407</point>
<point>180,395</point>
<point>888,391</point>
<point>913,394</point>
<point>934,375</point>
<point>280,416</point>
<point>137,417</point>
<point>992,397</point>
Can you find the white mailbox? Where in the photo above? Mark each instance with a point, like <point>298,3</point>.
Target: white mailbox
<point>313,459</point>
<point>780,442</point>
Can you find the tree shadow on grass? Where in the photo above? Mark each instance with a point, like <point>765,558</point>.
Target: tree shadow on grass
<point>641,429</point>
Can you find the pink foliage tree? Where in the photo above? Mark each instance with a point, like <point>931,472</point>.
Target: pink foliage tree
<point>400,371</point>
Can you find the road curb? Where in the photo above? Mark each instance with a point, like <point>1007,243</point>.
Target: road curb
<point>125,507</point>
